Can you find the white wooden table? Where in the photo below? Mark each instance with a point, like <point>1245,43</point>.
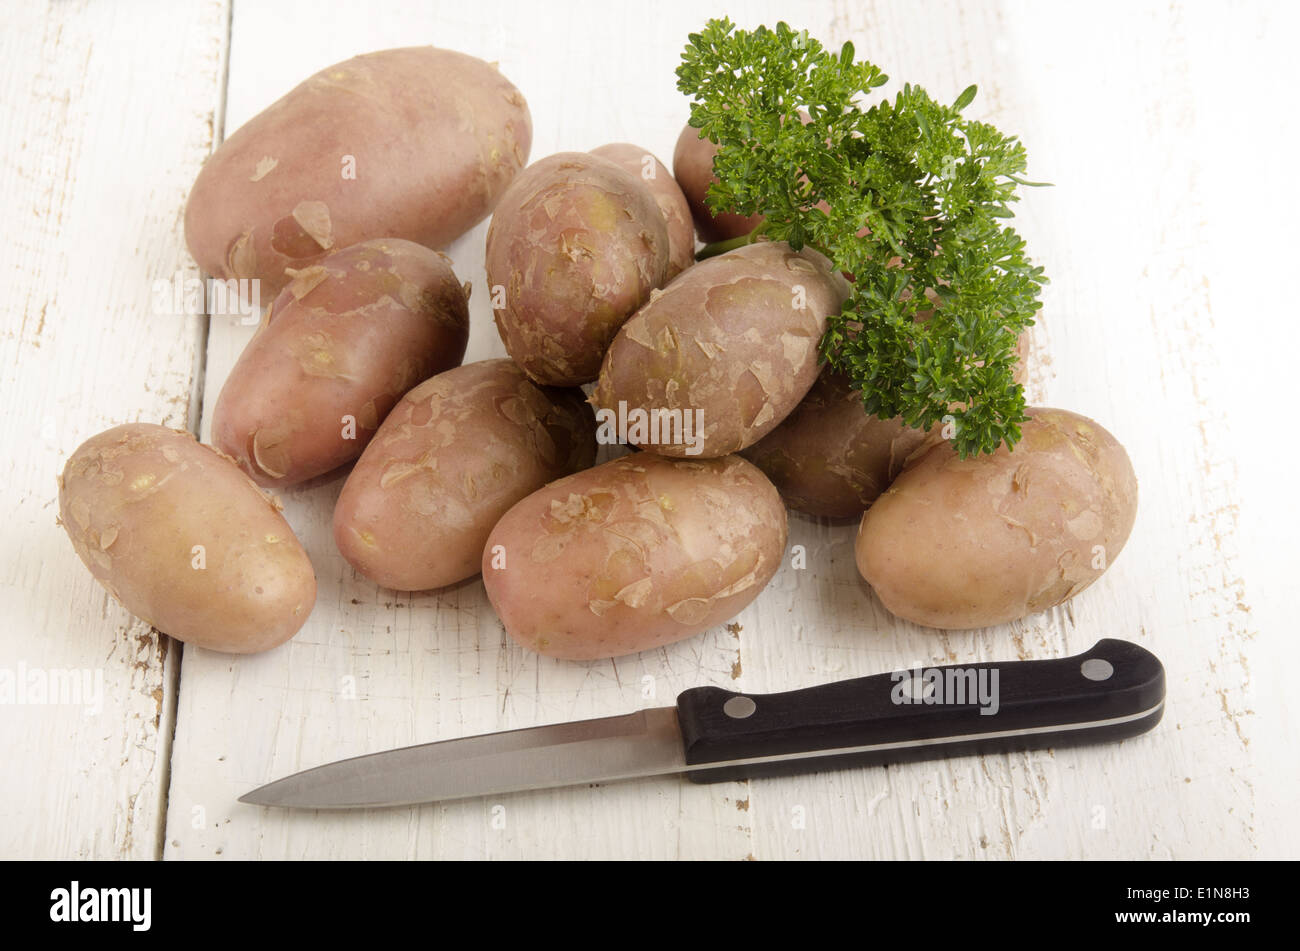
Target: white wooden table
<point>1170,135</point>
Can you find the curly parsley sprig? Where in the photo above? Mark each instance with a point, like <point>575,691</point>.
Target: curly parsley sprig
<point>942,286</point>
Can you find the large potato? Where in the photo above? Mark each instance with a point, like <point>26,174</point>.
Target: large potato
<point>731,346</point>
<point>450,459</point>
<point>693,170</point>
<point>336,351</point>
<point>633,554</point>
<point>575,246</point>
<point>667,195</point>
<point>415,143</point>
<point>963,543</point>
<point>185,541</point>
<point>830,457</point>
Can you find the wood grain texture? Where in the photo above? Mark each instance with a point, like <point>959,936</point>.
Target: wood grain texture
<point>105,124</point>
<point>1166,133</point>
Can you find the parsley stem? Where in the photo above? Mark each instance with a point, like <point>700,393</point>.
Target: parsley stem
<point>722,247</point>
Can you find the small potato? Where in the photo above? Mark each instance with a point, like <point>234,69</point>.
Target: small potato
<point>185,541</point>
<point>415,143</point>
<point>693,169</point>
<point>964,543</point>
<point>337,350</point>
<point>731,346</point>
<point>575,247</point>
<point>677,213</point>
<point>447,463</point>
<point>633,554</point>
<point>830,457</point>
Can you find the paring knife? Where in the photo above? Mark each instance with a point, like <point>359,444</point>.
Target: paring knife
<point>1113,691</point>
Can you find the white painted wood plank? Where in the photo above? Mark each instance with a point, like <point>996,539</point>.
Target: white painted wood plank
<point>1246,145</point>
<point>1122,107</point>
<point>108,115</point>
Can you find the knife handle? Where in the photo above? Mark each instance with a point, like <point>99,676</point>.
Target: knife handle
<point>1112,691</point>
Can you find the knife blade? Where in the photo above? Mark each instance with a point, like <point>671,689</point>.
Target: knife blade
<point>1113,691</point>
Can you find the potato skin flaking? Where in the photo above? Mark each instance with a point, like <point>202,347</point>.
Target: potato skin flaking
<point>830,457</point>
<point>575,247</point>
<point>451,458</point>
<point>650,172</point>
<point>346,338</point>
<point>634,554</point>
<point>734,337</point>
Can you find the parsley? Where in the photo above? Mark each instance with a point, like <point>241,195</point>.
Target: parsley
<point>934,190</point>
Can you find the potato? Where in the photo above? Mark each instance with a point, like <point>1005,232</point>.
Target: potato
<point>336,351</point>
<point>667,195</point>
<point>693,169</point>
<point>730,347</point>
<point>633,554</point>
<point>964,543</point>
<point>830,457</point>
<point>452,457</point>
<point>185,541</point>
<point>575,246</point>
<point>416,143</point>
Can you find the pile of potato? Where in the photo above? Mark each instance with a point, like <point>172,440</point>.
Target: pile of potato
<point>490,467</point>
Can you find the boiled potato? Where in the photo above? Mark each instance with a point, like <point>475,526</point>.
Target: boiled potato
<point>730,345</point>
<point>452,457</point>
<point>667,195</point>
<point>336,351</point>
<point>416,143</point>
<point>575,246</point>
<point>964,543</point>
<point>185,541</point>
<point>633,554</point>
<point>693,170</point>
<point>830,457</point>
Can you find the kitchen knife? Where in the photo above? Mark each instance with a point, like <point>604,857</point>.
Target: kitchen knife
<point>1113,691</point>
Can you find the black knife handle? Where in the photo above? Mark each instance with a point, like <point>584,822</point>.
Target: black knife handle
<point>1112,691</point>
